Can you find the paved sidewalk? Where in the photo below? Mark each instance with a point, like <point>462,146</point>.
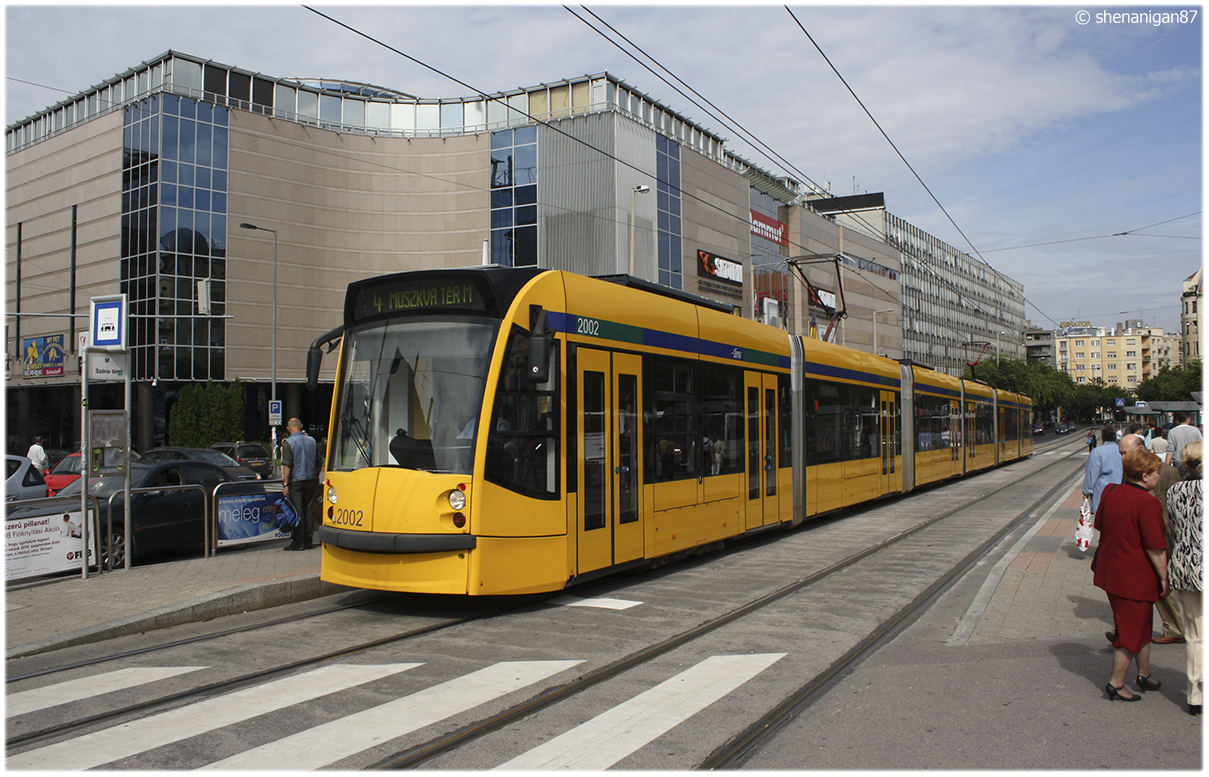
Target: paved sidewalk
<point>1043,588</point>
<point>51,614</point>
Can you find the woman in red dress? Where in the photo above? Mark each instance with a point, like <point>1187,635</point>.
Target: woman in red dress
<point>1131,567</point>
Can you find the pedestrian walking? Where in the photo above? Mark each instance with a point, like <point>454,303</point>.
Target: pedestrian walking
<point>1186,507</point>
<point>1091,441</point>
<point>299,471</point>
<point>1103,466</point>
<point>1131,567</point>
<point>37,456</point>
<point>1183,433</point>
<point>1158,444</point>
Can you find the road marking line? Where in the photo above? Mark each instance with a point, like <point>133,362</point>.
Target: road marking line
<point>603,602</point>
<point>613,735</point>
<point>325,744</point>
<point>74,690</point>
<point>111,744</point>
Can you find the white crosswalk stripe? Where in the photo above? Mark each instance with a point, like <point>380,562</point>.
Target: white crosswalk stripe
<point>102,747</point>
<point>24,702</point>
<point>330,742</point>
<point>613,735</point>
<point>601,602</point>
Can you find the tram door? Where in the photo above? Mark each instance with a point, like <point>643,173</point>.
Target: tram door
<point>970,439</point>
<point>889,433</point>
<point>955,436</point>
<point>610,519</point>
<point>763,505</point>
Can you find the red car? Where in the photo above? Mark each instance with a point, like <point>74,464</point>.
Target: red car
<point>63,473</point>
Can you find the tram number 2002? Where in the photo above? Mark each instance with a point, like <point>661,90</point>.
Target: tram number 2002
<point>347,517</point>
<point>587,326</point>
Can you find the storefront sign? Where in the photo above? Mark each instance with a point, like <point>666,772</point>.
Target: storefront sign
<point>254,518</point>
<point>769,229</point>
<point>43,544</point>
<point>43,357</point>
<point>720,269</point>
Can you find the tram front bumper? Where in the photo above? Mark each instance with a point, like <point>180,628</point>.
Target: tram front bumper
<point>384,542</point>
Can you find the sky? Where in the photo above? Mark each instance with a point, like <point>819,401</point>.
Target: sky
<point>1039,134</point>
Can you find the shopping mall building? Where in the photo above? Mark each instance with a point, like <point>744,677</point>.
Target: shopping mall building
<point>140,186</point>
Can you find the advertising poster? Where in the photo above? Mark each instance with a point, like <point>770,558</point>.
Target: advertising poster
<point>254,518</point>
<point>42,357</point>
<point>44,544</point>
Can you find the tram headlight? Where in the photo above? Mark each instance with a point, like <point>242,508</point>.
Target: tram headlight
<point>331,494</point>
<point>457,499</point>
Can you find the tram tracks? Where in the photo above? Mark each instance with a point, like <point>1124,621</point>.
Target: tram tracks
<point>746,742</point>
<point>732,753</point>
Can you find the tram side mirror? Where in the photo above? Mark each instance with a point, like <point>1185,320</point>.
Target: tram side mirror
<point>314,358</point>
<point>314,355</point>
<point>540,342</point>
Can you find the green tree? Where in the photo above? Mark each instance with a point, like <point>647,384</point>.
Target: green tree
<point>1172,384</point>
<point>204,415</point>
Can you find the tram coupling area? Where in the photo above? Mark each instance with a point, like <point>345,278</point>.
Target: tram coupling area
<point>952,628</point>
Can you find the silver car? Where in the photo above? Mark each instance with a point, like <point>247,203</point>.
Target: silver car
<point>23,480</point>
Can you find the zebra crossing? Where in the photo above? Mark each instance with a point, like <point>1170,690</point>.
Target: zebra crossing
<point>596,744</point>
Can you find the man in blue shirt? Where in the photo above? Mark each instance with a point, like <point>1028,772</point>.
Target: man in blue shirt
<point>1103,467</point>
<point>300,471</point>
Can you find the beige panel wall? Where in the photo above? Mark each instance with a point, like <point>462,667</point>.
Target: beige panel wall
<point>715,219</point>
<point>81,168</point>
<point>345,207</point>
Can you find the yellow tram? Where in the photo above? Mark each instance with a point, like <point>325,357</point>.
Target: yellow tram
<point>513,430</point>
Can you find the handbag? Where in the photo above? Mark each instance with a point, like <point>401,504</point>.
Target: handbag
<point>1086,526</point>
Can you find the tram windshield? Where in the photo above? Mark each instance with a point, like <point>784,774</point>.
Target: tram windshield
<point>411,395</point>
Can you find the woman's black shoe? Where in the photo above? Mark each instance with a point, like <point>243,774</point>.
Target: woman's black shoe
<point>1114,692</point>
<point>1194,709</point>
<point>1146,684</point>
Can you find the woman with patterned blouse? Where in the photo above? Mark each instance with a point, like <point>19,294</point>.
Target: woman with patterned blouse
<point>1185,505</point>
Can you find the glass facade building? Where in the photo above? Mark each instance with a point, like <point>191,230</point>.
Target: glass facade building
<point>514,197</point>
<point>174,235</point>
<point>667,176</point>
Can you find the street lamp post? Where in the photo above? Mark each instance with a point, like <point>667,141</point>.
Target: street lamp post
<point>875,315</point>
<point>633,218</point>
<point>246,225</point>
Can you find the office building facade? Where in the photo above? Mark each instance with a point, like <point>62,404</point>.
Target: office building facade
<point>140,186</point>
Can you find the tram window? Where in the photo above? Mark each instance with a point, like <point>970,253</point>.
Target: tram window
<point>522,444</point>
<point>721,419</point>
<point>824,423</point>
<point>672,435</point>
<point>411,394</point>
<point>785,448</point>
<point>932,430</point>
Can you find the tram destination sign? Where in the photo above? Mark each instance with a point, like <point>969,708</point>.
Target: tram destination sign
<point>418,295</point>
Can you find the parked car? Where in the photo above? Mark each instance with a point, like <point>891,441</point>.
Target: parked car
<point>1064,428</point>
<point>54,456</point>
<point>23,480</point>
<point>217,458</point>
<point>63,473</point>
<point>1038,430</point>
<point>160,520</point>
<point>252,455</point>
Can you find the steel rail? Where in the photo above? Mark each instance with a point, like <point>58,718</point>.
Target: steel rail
<point>420,754</point>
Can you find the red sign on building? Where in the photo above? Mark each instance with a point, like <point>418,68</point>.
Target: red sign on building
<point>769,229</point>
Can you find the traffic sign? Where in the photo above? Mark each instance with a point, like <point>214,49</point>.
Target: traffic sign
<point>1120,402</point>
<point>274,412</point>
<point>107,322</point>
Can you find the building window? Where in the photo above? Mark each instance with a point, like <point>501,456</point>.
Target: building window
<point>1131,353</point>
<point>1095,354</point>
<point>514,197</point>
<point>1080,354</point>
<point>667,174</point>
<point>769,272</point>
<point>174,234</point>
<point>1078,343</point>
